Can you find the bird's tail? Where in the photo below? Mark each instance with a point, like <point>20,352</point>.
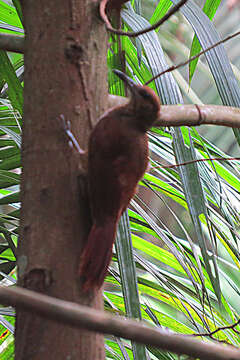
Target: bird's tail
<point>97,255</point>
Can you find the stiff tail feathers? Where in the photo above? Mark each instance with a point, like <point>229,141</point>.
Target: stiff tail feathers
<point>97,255</point>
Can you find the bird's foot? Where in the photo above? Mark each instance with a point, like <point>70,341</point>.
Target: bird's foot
<point>71,138</point>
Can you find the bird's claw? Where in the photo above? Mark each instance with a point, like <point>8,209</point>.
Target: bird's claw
<point>72,140</point>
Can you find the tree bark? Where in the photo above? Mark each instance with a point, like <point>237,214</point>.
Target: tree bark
<point>65,73</point>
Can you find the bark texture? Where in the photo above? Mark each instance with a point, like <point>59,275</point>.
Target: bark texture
<point>65,73</point>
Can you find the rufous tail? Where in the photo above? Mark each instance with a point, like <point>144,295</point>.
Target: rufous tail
<point>97,255</point>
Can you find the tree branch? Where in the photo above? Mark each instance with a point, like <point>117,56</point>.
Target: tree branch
<point>195,115</point>
<point>190,115</point>
<point>94,320</point>
<point>14,43</point>
<point>132,34</point>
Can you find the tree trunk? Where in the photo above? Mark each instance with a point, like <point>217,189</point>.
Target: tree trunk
<point>65,73</point>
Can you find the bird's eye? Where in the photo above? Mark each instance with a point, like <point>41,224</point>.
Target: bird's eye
<point>145,94</point>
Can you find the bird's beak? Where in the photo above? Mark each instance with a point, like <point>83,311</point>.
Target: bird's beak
<point>127,80</point>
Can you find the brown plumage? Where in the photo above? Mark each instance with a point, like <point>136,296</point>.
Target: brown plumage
<point>118,159</point>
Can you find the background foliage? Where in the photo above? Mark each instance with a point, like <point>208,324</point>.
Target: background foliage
<point>178,267</point>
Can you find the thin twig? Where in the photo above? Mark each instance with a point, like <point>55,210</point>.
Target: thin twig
<point>159,166</point>
<point>98,321</point>
<point>227,327</point>
<point>174,67</point>
<point>109,27</point>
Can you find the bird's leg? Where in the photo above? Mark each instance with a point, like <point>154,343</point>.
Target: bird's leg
<point>72,141</point>
<point>82,175</point>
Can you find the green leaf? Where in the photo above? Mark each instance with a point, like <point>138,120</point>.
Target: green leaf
<point>161,9</point>
<point>169,93</point>
<point>18,8</point>
<point>7,254</point>
<point>217,59</point>
<point>129,279</point>
<point>210,8</point>
<point>8,178</point>
<point>11,198</point>
<point>11,163</point>
<point>15,89</point>
<point>9,15</point>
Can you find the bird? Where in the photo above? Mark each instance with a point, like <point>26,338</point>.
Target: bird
<point>117,160</point>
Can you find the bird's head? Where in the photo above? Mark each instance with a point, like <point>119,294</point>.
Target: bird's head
<point>144,103</point>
